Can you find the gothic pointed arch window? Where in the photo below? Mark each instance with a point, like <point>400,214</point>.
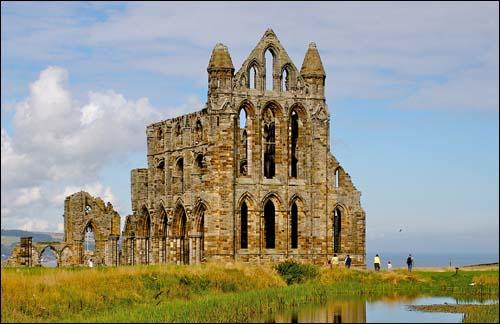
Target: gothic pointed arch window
<point>285,79</point>
<point>244,226</point>
<point>243,145</point>
<point>269,63</point>
<point>89,240</point>
<point>198,132</point>
<point>252,77</point>
<point>294,224</point>
<point>179,175</point>
<point>269,143</point>
<point>269,224</point>
<point>294,137</point>
<point>269,59</point>
<point>145,235</point>
<point>336,229</point>
<point>163,231</point>
<point>160,173</point>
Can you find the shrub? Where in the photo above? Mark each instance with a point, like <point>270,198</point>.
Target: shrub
<point>294,272</point>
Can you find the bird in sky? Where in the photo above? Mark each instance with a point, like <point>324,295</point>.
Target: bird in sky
<point>400,230</point>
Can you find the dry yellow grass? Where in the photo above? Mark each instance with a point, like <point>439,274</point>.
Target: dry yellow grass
<point>37,292</point>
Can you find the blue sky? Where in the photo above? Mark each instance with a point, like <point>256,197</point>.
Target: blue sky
<point>412,90</point>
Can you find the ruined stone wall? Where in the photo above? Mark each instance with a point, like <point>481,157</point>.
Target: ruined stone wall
<point>203,166</point>
<point>81,212</point>
<point>216,188</point>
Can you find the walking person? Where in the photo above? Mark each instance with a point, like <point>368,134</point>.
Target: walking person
<point>348,261</point>
<point>389,265</point>
<point>335,260</point>
<point>409,262</point>
<point>376,263</point>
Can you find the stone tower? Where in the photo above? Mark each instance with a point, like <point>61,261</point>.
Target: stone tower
<point>250,177</point>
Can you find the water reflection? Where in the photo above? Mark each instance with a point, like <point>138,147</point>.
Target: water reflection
<point>382,310</point>
<point>340,311</point>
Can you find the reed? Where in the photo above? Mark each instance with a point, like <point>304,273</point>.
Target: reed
<point>208,292</point>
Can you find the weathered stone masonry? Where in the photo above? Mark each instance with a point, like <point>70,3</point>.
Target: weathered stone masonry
<point>249,178</point>
<point>83,214</point>
<point>217,188</point>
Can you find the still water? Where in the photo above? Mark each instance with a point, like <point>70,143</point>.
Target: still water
<point>384,310</point>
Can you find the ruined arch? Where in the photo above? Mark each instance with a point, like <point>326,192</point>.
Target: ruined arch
<point>199,230</point>
<point>144,235</point>
<point>162,231</point>
<point>198,131</point>
<point>270,133</point>
<point>179,174</point>
<point>54,251</point>
<point>180,230</point>
<point>296,218</point>
<point>90,237</point>
<point>66,256</point>
<point>286,78</point>
<point>254,73</point>
<point>244,136</point>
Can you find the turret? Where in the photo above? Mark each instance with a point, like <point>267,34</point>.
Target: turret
<point>220,70</point>
<point>313,72</point>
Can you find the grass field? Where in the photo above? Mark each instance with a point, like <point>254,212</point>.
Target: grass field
<point>208,292</point>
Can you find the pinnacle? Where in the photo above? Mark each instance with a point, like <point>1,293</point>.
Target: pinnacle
<point>312,64</point>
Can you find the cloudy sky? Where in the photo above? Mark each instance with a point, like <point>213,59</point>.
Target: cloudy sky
<point>412,90</point>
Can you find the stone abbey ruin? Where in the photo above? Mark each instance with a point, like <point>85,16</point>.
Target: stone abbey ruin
<point>248,178</point>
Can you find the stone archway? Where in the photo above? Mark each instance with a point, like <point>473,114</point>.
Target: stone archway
<point>48,262</point>
<point>180,236</point>
<point>197,238</point>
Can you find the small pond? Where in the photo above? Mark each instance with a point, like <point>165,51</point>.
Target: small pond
<point>382,310</point>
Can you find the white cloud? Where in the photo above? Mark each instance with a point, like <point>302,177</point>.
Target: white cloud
<point>90,113</point>
<point>32,224</point>
<point>59,147</point>
<point>57,143</point>
<point>27,196</point>
<point>95,189</point>
<point>56,140</point>
<point>370,50</point>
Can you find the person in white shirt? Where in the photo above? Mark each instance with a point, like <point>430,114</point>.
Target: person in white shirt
<point>389,265</point>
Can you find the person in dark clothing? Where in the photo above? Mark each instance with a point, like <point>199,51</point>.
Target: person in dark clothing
<point>409,262</point>
<point>348,261</point>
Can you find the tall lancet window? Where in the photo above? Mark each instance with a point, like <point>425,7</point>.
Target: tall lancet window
<point>285,82</point>
<point>244,226</point>
<point>89,238</point>
<point>336,230</point>
<point>294,226</point>
<point>269,143</point>
<point>243,147</point>
<point>252,78</point>
<point>294,121</point>
<point>269,57</point>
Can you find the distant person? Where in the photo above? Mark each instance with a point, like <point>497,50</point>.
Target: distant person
<point>348,261</point>
<point>376,263</point>
<point>91,263</point>
<point>409,262</point>
<point>335,260</point>
<point>389,265</point>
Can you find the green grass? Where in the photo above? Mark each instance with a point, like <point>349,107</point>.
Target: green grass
<point>472,313</point>
<point>209,292</point>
